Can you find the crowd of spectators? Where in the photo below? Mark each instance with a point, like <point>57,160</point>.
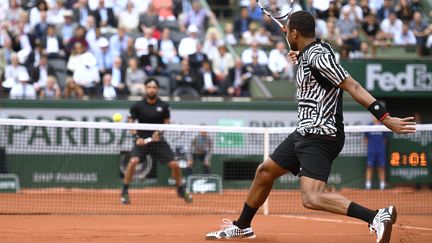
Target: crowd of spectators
<point>71,49</point>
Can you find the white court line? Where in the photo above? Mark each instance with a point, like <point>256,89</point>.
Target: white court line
<point>345,221</point>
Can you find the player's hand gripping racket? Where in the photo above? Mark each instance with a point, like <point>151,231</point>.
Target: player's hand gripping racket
<point>279,11</point>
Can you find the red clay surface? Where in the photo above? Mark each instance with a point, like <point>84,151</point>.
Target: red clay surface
<point>192,228</point>
<point>165,201</point>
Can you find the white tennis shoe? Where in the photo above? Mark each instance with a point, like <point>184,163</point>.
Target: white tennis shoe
<point>382,224</point>
<point>230,231</point>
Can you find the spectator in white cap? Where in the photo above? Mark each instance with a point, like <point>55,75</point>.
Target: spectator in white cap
<point>67,28</point>
<point>104,56</point>
<point>87,75</point>
<point>187,45</point>
<point>22,89</point>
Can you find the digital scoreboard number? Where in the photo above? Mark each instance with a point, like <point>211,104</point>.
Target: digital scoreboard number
<point>414,159</point>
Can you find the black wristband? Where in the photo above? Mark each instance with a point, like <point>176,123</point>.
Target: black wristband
<point>378,110</point>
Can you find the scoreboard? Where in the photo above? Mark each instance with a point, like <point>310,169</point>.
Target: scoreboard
<point>409,159</point>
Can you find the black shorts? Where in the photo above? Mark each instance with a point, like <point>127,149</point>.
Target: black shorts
<point>310,155</point>
<point>159,151</point>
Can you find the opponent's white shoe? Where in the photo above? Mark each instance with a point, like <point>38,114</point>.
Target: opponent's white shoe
<point>382,224</point>
<point>230,231</point>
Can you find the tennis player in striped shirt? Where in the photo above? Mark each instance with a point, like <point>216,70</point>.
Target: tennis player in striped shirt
<point>310,150</point>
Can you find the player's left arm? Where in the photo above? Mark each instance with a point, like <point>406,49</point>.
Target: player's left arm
<point>363,97</point>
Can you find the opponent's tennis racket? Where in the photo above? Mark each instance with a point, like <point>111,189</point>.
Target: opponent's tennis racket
<point>279,11</point>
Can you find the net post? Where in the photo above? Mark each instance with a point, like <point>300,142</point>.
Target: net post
<point>266,155</point>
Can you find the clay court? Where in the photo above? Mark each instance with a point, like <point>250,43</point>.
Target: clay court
<point>192,228</point>
<point>85,216</point>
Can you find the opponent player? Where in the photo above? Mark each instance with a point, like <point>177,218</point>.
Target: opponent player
<point>151,109</point>
<point>318,139</point>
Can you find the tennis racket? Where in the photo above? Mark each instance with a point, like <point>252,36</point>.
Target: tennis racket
<point>279,11</point>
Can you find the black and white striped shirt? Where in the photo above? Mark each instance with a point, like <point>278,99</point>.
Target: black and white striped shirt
<point>319,97</point>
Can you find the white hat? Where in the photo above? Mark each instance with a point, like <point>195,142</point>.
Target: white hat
<point>23,76</point>
<point>192,29</point>
<point>103,42</point>
<point>67,12</point>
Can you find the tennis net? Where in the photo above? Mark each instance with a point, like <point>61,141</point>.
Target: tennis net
<point>59,167</point>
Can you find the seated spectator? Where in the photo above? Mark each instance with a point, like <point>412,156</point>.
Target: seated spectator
<point>40,28</point>
<point>51,90</point>
<point>385,10</point>
<point>257,68</point>
<point>55,13</point>
<point>238,80</point>
<point>222,63</point>
<point>187,45</point>
<point>135,78</point>
<point>419,28</point>
<point>87,75</point>
<point>254,11</point>
<point>278,63</point>
<point>366,10</point>
<point>40,74</point>
<point>119,41</point>
<point>129,52</point>
<point>230,38</point>
<point>33,58</point>
<point>104,16</point>
<point>272,28</point>
<point>104,56</point>
<point>198,16</point>
<point>354,11</point>
<point>164,9</point>
<point>53,44</point>
<point>196,59</point>
<point>118,76</point>
<point>320,28</point>
<point>72,90</point>
<point>247,54</point>
<point>129,18</point>
<point>249,35</point>
<point>79,36</point>
<point>142,43</point>
<point>34,15</point>
<point>107,90</point>
<point>75,58</point>
<point>391,27</point>
<point>186,80</point>
<point>92,35</point>
<point>81,12</point>
<point>208,81</point>
<point>347,29</point>
<point>406,37</point>
<point>152,62</point>
<point>211,43</point>
<point>13,13</point>
<point>22,89</point>
<point>371,27</point>
<point>404,11</point>
<point>167,49</point>
<point>364,52</point>
<point>333,11</point>
<point>262,36</point>
<point>149,18</point>
<point>67,28</point>
<point>241,23</point>
<point>12,70</point>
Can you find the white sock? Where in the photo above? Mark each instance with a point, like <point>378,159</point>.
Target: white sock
<point>368,185</point>
<point>382,185</point>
